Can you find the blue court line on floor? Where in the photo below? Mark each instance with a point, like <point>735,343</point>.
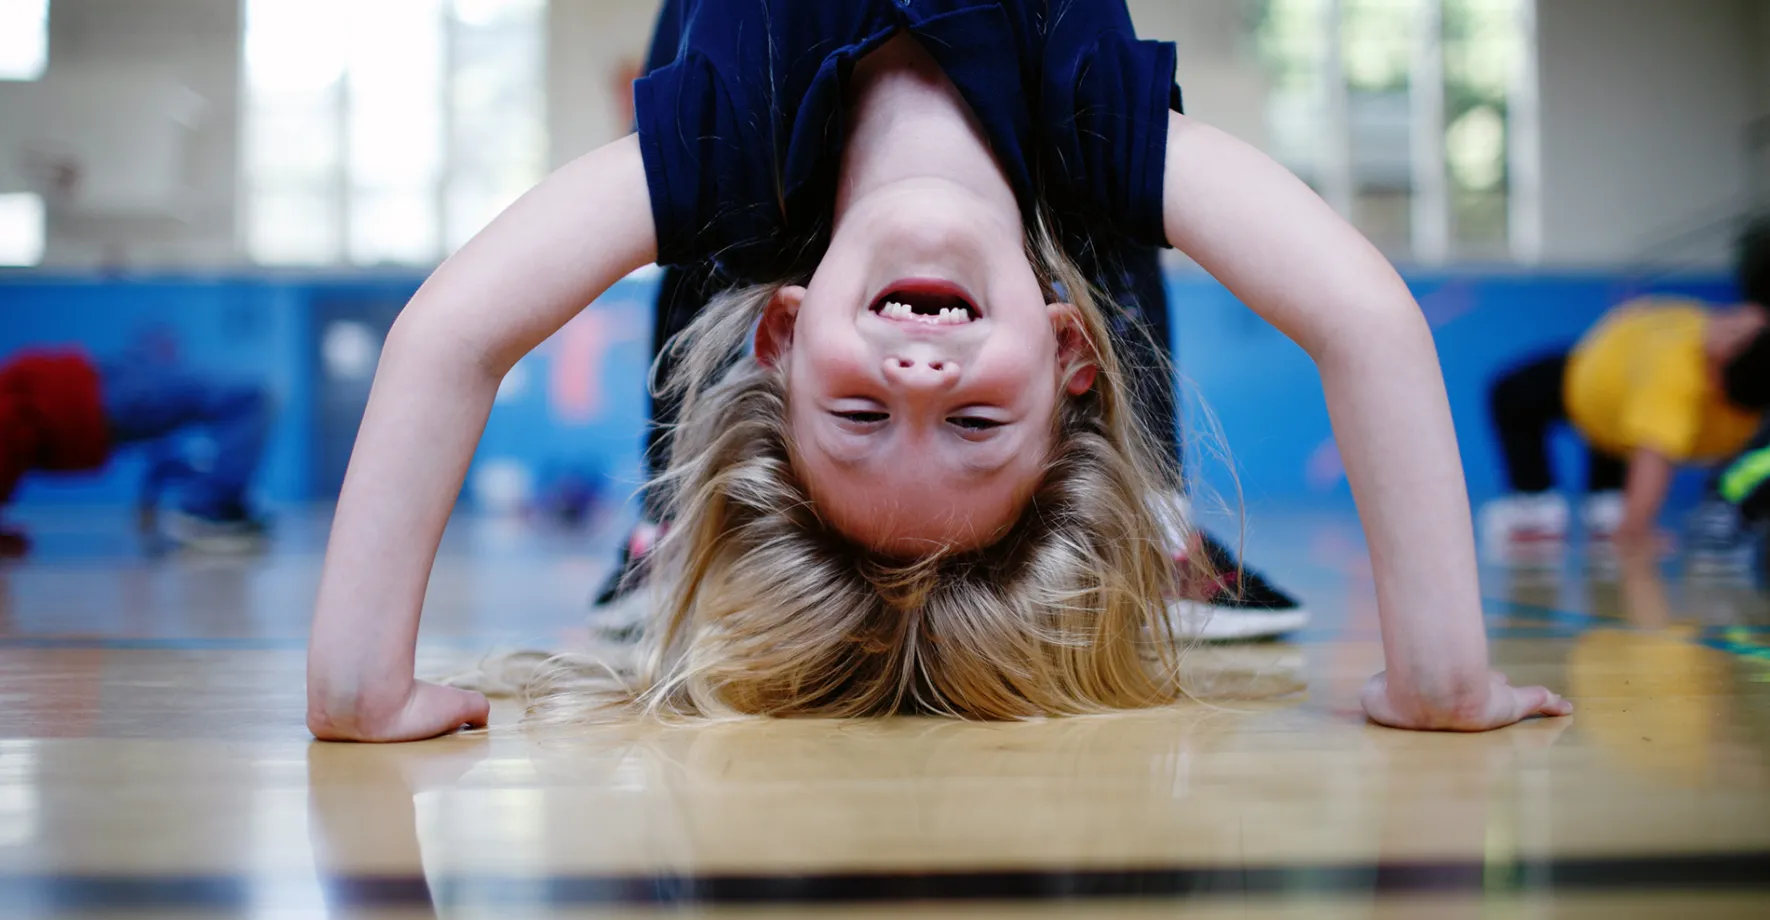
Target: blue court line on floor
<point>1737,642</point>
<point>1530,632</point>
<point>1746,641</point>
<point>1748,871</point>
<point>1751,630</point>
<point>1500,607</point>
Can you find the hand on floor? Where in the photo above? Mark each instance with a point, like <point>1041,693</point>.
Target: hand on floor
<point>1505,704</point>
<point>429,710</point>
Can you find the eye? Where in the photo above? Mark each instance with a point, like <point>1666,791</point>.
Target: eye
<point>974,422</point>
<point>862,417</point>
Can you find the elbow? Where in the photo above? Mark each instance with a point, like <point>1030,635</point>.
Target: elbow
<point>1369,333</point>
<point>424,336</point>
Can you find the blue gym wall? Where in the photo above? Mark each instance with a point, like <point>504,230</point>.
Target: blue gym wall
<point>1267,400</point>
<point>576,404</point>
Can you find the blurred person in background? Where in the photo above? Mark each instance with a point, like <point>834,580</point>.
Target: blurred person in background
<point>1658,383</point>
<point>62,411</point>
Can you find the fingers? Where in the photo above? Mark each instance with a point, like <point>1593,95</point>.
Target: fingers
<point>1539,701</point>
<point>430,710</point>
<point>1557,705</point>
<point>475,708</point>
<point>1505,705</point>
<point>438,710</point>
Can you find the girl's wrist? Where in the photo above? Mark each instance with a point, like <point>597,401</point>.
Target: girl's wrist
<point>353,701</point>
<point>1440,693</point>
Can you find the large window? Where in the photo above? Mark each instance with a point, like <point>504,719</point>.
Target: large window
<point>21,229</point>
<point>387,132</point>
<point>1378,43</point>
<point>1412,117</point>
<point>24,55</point>
<point>24,39</point>
<point>1483,74</point>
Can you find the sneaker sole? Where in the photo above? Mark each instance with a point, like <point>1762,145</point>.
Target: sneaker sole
<point>623,619</point>
<point>195,538</point>
<point>222,546</point>
<point>1228,624</point>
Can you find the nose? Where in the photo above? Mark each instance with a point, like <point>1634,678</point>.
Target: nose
<point>921,373</point>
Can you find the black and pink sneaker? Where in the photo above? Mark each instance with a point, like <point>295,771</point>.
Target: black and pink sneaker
<point>1234,602</point>
<point>619,611</point>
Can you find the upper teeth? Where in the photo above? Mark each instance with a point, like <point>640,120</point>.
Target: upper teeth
<point>948,315</point>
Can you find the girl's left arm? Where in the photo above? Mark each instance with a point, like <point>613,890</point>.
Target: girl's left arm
<point>1280,249</point>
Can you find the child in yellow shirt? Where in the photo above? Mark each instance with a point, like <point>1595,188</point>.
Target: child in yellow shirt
<point>1658,383</point>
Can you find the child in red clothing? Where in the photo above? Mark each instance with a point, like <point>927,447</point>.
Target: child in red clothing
<point>62,411</point>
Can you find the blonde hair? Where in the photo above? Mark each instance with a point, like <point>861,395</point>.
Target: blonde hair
<point>762,609</point>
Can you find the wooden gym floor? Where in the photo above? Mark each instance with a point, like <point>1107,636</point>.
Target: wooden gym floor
<point>153,760</point>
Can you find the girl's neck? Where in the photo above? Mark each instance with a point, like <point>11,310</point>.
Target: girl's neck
<point>908,123</point>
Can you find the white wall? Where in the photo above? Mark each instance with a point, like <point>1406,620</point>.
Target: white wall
<point>153,191</point>
<point>590,44</point>
<point>1759,37</point>
<point>1222,81</point>
<point>1643,107</point>
<point>1643,104</point>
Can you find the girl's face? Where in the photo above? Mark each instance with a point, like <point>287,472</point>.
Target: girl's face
<point>924,370</point>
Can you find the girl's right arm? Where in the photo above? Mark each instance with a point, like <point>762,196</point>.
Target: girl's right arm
<point>538,265</point>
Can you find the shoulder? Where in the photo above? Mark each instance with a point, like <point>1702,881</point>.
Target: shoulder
<point>737,91</point>
<point>1077,38</point>
<point>1105,98</point>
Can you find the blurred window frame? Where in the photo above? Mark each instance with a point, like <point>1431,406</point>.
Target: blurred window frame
<point>1457,77</point>
<point>362,150</point>
<point>24,40</point>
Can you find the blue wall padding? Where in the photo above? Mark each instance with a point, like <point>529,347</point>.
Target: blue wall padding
<point>577,403</point>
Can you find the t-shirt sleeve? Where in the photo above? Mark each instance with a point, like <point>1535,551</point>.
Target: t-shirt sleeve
<point>1105,104</point>
<point>1663,409</point>
<point>707,174</point>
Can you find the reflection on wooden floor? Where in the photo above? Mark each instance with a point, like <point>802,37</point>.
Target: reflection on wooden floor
<point>152,758</point>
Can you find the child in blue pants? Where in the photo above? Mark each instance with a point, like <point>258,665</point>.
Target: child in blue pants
<point>62,411</point>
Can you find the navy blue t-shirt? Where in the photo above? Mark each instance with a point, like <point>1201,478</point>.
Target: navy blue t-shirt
<point>741,116</point>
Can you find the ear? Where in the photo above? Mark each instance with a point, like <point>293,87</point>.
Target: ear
<point>1076,356</point>
<point>774,335</point>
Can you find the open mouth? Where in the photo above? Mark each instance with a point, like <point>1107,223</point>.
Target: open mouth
<point>936,303</point>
